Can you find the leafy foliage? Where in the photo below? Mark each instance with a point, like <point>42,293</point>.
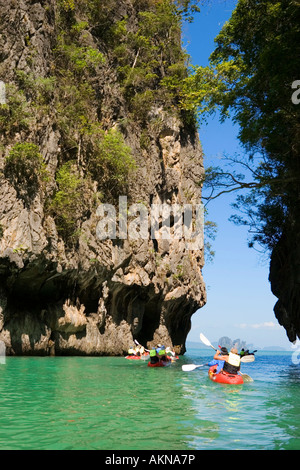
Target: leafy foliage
<point>72,202</point>
<point>25,168</point>
<point>15,115</point>
<point>67,5</point>
<point>150,56</point>
<point>210,231</point>
<point>111,162</point>
<point>72,55</point>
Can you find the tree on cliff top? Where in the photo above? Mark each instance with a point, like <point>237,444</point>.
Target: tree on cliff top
<point>251,74</point>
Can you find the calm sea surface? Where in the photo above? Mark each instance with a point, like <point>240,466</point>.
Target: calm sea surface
<point>117,404</point>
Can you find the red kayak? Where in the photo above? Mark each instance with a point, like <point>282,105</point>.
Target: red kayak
<point>159,364</point>
<point>224,377</point>
<point>144,357</point>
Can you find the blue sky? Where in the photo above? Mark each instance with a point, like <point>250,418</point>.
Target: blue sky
<point>239,300</point>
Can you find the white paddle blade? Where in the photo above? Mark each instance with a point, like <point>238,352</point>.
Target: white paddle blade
<point>206,341</point>
<point>145,357</point>
<point>189,367</point>
<point>248,358</point>
<point>247,378</point>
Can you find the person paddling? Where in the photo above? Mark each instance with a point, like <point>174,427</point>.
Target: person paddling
<point>232,361</point>
<point>162,355</point>
<point>153,356</point>
<point>131,351</point>
<point>218,362</point>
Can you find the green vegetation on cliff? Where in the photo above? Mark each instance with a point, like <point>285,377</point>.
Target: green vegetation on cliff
<point>105,68</point>
<point>26,169</point>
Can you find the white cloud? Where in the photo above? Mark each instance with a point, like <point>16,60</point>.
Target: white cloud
<point>256,326</point>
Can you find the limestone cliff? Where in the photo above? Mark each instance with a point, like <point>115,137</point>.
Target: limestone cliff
<point>285,278</point>
<point>90,115</point>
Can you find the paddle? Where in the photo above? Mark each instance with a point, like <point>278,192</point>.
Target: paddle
<point>138,344</point>
<point>249,358</point>
<point>189,367</point>
<point>168,350</point>
<point>246,377</point>
<point>206,341</point>
<point>144,357</point>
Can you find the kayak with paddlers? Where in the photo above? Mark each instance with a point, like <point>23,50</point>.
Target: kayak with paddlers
<point>224,377</point>
<point>161,356</point>
<point>225,367</point>
<point>143,357</point>
<point>137,352</point>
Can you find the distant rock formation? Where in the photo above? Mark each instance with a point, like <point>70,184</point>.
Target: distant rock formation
<point>229,343</point>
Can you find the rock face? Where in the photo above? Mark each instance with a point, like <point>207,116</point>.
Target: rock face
<point>285,280</point>
<point>91,296</point>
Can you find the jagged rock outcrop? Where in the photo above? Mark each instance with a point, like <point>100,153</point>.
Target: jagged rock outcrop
<point>285,279</point>
<point>91,296</point>
<point>228,343</point>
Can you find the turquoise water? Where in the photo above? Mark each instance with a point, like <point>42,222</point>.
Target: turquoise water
<point>116,404</point>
